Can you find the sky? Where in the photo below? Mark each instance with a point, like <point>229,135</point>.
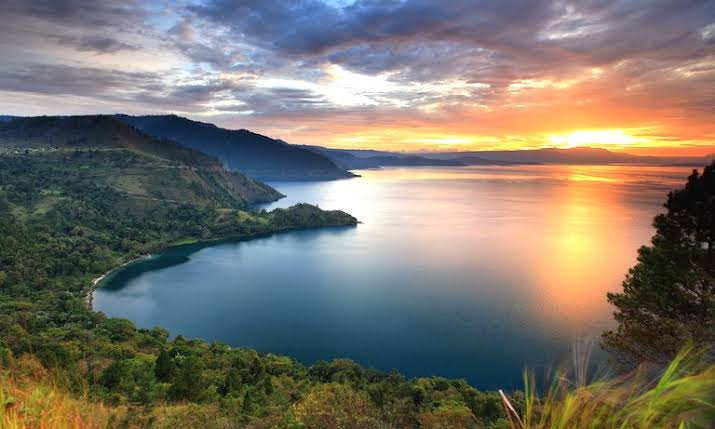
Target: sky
<point>424,75</point>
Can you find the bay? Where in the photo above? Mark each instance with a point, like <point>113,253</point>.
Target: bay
<point>473,272</point>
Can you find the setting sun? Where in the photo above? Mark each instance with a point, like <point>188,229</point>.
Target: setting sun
<point>595,138</point>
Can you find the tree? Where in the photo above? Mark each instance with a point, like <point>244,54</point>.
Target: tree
<point>328,406</point>
<point>119,329</point>
<point>164,366</point>
<point>4,206</point>
<point>668,298</point>
<point>189,382</point>
<point>448,415</point>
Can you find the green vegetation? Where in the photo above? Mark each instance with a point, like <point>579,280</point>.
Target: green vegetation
<point>668,298</point>
<point>70,214</point>
<point>111,154</point>
<point>681,396</point>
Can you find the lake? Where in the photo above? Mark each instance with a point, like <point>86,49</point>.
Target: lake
<point>473,272</point>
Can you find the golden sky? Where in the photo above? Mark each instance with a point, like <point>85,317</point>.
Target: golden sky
<point>406,75</point>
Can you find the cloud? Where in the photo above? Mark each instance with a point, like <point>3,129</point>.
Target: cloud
<point>67,80</point>
<point>531,30</point>
<point>297,66</point>
<point>707,33</point>
<point>98,44</point>
<point>492,42</point>
<point>89,14</point>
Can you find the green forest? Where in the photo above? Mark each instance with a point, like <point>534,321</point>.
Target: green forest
<point>63,224</point>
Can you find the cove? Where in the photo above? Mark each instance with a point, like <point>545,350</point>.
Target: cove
<point>468,272</point>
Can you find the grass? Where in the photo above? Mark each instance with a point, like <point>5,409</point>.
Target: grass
<point>681,396</point>
<point>184,241</point>
<point>128,182</point>
<point>30,399</point>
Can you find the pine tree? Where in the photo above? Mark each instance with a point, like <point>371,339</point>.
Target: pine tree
<point>668,298</point>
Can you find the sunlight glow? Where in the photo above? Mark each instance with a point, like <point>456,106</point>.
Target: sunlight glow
<point>595,138</point>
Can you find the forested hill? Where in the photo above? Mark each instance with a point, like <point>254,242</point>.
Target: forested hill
<point>258,156</point>
<point>131,162</point>
<point>79,197</point>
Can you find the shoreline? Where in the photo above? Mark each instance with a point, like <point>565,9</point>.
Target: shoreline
<point>96,281</point>
<point>193,242</point>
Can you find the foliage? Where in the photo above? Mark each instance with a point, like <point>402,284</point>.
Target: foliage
<point>329,406</point>
<point>668,298</point>
<point>682,396</point>
<point>103,151</point>
<point>62,224</point>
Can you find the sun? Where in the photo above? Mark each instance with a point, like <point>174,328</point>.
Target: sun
<point>614,137</point>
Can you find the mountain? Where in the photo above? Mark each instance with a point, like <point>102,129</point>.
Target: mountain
<point>577,155</point>
<point>475,160</point>
<point>359,153</point>
<point>127,160</point>
<point>351,159</point>
<point>397,161</point>
<point>360,159</point>
<point>260,157</point>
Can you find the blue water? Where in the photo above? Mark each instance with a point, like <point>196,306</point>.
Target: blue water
<point>461,272</point>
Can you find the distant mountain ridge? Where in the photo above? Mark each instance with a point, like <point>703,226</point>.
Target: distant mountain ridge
<point>351,159</point>
<point>576,155</point>
<point>140,166</point>
<point>363,158</point>
<point>265,158</point>
<point>260,157</point>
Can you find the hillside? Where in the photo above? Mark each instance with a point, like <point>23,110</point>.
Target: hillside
<point>135,164</point>
<point>65,220</point>
<point>260,157</point>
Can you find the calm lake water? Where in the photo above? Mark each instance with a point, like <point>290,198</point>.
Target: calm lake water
<point>471,272</point>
